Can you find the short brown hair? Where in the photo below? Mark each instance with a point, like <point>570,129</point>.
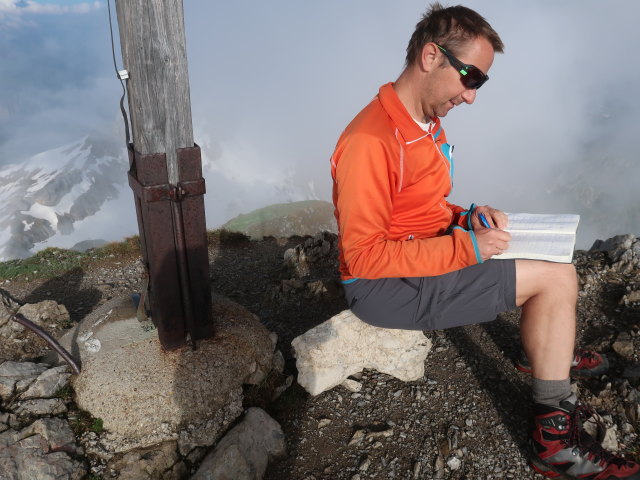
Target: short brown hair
<point>452,28</point>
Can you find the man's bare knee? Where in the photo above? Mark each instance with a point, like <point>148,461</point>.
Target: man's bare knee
<point>534,278</point>
<point>566,281</point>
<point>568,272</point>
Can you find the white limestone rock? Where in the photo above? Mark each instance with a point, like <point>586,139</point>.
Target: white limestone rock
<point>48,383</point>
<point>157,462</point>
<point>344,345</point>
<point>610,441</point>
<point>7,387</point>
<point>55,431</point>
<point>17,376</point>
<point>47,314</point>
<point>352,385</point>
<point>244,453</point>
<point>21,370</point>
<point>622,250</point>
<point>44,450</point>
<point>40,407</point>
<point>18,342</point>
<point>454,463</point>
<point>614,247</point>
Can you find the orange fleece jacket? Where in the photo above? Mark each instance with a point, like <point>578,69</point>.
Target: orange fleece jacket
<point>391,182</point>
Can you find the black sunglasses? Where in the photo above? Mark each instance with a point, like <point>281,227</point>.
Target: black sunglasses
<point>470,76</point>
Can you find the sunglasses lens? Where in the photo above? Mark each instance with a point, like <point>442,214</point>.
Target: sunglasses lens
<point>474,79</point>
<point>470,76</point>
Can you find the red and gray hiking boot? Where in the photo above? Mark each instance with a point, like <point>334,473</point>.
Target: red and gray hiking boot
<point>586,363</point>
<point>562,449</point>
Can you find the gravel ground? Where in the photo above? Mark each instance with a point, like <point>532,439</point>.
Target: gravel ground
<point>468,418</point>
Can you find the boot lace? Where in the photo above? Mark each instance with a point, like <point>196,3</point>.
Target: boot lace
<point>585,443</point>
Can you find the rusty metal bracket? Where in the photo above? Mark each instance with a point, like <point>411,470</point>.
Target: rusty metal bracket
<point>173,238</point>
<point>160,193</point>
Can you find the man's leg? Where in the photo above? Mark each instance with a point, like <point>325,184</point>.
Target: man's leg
<point>547,293</point>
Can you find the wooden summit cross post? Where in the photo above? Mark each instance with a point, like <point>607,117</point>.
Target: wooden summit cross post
<point>166,170</point>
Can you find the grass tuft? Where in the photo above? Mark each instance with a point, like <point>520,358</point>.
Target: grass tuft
<point>65,393</point>
<point>84,423</point>
<point>44,264</point>
<point>129,246</point>
<point>96,425</point>
<point>226,237</point>
<point>52,262</point>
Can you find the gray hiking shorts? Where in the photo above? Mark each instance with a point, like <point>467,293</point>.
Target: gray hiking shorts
<point>472,295</point>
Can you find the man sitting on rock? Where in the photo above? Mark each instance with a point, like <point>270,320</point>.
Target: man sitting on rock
<point>409,259</point>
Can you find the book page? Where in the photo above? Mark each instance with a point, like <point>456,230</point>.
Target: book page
<point>526,222</point>
<point>540,246</point>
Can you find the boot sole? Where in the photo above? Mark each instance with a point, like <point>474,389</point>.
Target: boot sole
<point>546,470</point>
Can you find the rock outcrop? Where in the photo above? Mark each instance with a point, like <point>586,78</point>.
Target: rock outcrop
<point>18,342</point>
<point>34,444</point>
<point>363,421</point>
<point>344,345</point>
<point>623,251</point>
<point>244,452</point>
<point>145,395</point>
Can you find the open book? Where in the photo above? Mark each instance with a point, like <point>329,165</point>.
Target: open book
<point>541,237</point>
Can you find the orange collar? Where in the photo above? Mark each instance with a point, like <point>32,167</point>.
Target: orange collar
<point>407,126</point>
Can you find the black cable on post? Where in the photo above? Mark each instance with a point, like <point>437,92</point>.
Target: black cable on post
<point>22,320</point>
<point>122,76</point>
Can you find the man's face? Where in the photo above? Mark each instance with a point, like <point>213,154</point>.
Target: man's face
<point>444,89</point>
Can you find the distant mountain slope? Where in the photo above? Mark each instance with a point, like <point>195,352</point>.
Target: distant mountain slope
<point>78,195</point>
<point>306,217</point>
<point>51,192</point>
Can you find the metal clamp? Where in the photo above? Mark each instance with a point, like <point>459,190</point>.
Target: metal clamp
<point>175,193</point>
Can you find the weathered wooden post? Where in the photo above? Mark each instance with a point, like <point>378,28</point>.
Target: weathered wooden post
<point>166,169</point>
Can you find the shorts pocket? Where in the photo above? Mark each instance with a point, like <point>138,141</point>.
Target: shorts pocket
<point>467,307</point>
<point>412,282</point>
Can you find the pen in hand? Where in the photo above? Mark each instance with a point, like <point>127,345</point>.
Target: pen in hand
<point>483,220</point>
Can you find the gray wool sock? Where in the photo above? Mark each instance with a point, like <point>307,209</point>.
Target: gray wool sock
<point>551,392</point>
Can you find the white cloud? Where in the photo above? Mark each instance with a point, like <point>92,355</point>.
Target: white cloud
<point>8,6</point>
<point>276,108</point>
<point>18,7</point>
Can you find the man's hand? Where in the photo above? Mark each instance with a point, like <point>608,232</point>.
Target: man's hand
<point>495,218</point>
<point>491,241</point>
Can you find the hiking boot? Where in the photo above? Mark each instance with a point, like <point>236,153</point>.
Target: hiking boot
<point>586,363</point>
<point>562,449</point>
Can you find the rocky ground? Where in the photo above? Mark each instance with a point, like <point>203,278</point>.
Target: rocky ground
<point>466,419</point>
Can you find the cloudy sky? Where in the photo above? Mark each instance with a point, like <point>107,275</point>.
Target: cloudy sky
<point>274,83</point>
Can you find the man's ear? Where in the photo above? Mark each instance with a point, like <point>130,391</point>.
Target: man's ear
<point>429,57</point>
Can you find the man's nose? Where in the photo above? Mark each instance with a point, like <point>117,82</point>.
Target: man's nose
<point>469,95</point>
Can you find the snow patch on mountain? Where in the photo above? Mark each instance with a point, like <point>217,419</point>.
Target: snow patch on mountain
<point>50,193</point>
<point>79,192</point>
